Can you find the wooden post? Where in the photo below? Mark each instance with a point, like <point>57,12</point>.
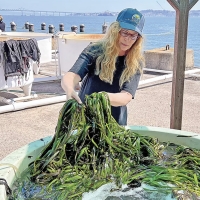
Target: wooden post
<point>182,8</point>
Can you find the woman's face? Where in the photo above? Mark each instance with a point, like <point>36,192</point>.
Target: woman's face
<point>126,40</point>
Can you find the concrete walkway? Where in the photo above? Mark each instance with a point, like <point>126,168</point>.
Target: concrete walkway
<point>151,107</point>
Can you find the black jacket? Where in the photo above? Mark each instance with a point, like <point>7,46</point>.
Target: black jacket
<point>2,26</point>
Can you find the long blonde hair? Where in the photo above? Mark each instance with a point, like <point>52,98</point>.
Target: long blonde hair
<point>106,60</point>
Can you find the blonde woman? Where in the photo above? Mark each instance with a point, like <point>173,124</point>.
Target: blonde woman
<point>113,65</point>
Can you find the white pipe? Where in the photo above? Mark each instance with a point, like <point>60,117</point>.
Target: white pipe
<point>58,73</point>
<point>51,78</point>
<point>44,73</point>
<point>26,97</point>
<point>31,104</point>
<point>12,100</point>
<point>158,70</point>
<point>195,75</point>
<point>56,56</point>
<point>192,71</point>
<point>150,80</point>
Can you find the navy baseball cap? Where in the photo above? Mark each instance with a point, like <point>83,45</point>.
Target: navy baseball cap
<point>131,19</point>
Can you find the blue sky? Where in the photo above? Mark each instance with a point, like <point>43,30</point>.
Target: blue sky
<point>89,5</point>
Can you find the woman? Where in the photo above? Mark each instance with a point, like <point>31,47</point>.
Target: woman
<point>113,64</point>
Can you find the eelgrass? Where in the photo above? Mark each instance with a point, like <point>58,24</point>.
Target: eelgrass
<point>90,149</point>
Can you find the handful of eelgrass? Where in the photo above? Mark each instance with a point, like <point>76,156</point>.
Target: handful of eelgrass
<point>90,149</point>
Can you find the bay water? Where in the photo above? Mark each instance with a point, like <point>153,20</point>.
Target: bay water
<point>158,31</point>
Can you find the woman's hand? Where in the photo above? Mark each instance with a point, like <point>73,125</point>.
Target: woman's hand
<point>72,94</point>
<point>69,83</point>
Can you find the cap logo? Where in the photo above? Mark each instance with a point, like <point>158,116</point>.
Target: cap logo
<point>136,18</point>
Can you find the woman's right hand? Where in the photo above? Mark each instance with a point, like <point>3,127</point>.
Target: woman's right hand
<point>69,83</point>
<point>72,94</point>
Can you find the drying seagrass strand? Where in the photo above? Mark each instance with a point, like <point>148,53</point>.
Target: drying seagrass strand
<point>90,149</point>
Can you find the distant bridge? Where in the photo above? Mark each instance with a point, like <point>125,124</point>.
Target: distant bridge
<point>43,12</point>
<point>34,12</point>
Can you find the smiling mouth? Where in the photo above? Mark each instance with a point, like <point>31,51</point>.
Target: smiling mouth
<point>124,45</point>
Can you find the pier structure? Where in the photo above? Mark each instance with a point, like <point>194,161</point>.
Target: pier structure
<point>23,11</point>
